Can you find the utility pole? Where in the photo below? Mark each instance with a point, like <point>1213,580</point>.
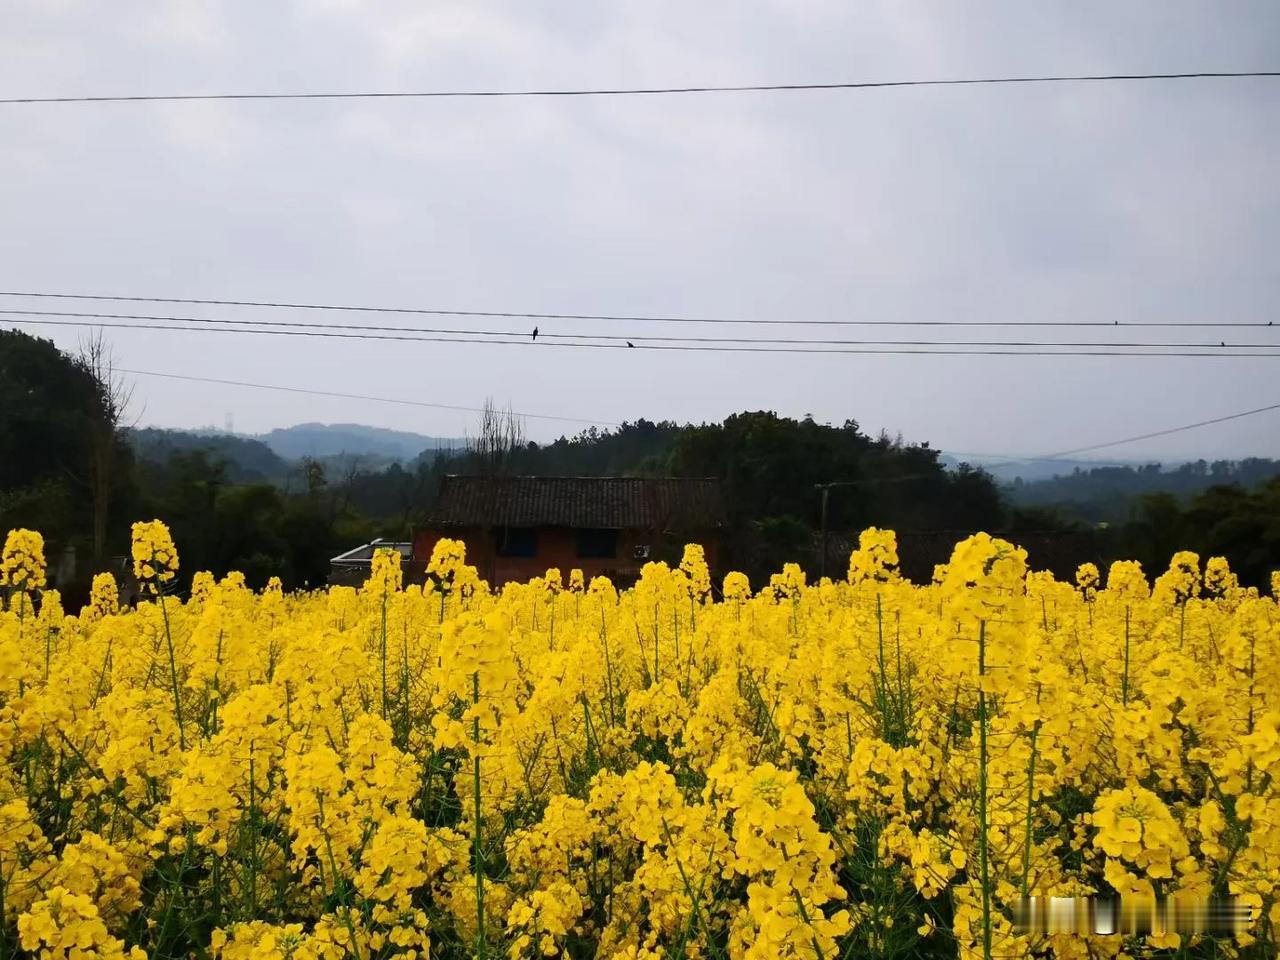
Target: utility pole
<point>825,488</point>
<point>822,556</point>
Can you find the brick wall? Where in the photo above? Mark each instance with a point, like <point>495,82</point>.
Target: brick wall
<point>557,547</point>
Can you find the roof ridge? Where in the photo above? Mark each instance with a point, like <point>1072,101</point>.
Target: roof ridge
<point>578,501</point>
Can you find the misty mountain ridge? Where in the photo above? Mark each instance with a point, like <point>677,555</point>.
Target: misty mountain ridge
<point>323,440</point>
<point>1009,470</point>
<point>271,456</point>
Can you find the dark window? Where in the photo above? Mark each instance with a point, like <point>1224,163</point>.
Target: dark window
<point>516,542</point>
<point>598,544</point>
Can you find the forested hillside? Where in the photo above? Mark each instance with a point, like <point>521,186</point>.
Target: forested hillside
<point>244,459</point>
<point>1108,493</point>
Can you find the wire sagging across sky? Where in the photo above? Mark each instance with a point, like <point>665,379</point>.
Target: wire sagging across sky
<point>352,396</point>
<point>637,318</point>
<point>607,338</point>
<point>1161,433</point>
<point>649,91</point>
<point>905,348</point>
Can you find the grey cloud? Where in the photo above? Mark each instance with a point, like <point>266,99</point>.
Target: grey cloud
<point>1138,201</point>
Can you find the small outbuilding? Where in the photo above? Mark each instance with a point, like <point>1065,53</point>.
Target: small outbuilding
<point>351,569</point>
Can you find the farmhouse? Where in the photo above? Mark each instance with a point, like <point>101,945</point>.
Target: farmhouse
<point>515,528</point>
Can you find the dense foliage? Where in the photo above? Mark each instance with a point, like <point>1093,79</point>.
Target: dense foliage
<point>1109,494</point>
<point>49,406</point>
<point>227,498</point>
<point>244,460</point>
<point>857,768</point>
<point>1226,520</point>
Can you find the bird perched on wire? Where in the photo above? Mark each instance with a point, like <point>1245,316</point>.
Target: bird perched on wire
<point>535,334</point>
<point>630,344</point>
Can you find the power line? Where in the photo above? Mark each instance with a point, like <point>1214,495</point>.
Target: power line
<point>1049,458</point>
<point>637,318</point>
<point>352,396</point>
<point>1161,433</point>
<point>976,458</point>
<point>646,91</point>
<point>1052,457</point>
<point>1219,352</point>
<point>630,336</point>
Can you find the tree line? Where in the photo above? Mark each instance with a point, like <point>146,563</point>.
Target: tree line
<point>1109,494</point>
<point>72,466</point>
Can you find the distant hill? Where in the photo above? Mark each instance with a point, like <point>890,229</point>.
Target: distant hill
<point>326,440</point>
<point>247,459</point>
<point>1106,493</point>
<point>273,455</point>
<point>1007,470</point>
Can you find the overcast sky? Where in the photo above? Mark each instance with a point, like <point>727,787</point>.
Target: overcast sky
<point>1135,201</point>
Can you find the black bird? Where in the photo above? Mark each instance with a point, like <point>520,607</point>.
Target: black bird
<point>1223,343</point>
<point>535,333</point>
<point>630,344</point>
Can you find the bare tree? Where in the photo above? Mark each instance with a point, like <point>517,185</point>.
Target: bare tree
<point>114,397</point>
<point>493,451</point>
<point>351,467</point>
<point>413,491</point>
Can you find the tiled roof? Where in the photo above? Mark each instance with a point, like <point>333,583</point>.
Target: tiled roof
<point>665,503</point>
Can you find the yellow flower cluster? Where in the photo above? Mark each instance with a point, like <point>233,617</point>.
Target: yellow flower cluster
<point>867,767</point>
<point>447,558</point>
<point>1181,582</point>
<point>155,558</point>
<point>22,564</point>
<point>67,925</point>
<point>104,598</point>
<point>1087,579</point>
<point>876,557</point>
<point>736,586</point>
<point>385,575</point>
<point>1134,824</point>
<point>694,566</point>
